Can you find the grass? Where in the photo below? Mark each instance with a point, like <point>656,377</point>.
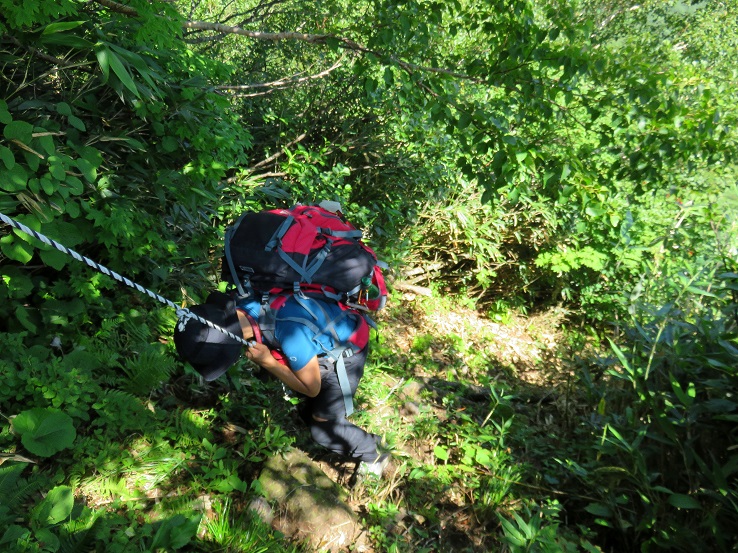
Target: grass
<point>488,425</point>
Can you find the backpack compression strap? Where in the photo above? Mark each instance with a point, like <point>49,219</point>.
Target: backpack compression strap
<point>229,258</point>
<point>306,272</point>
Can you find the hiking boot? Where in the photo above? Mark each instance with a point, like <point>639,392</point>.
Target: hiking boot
<point>377,467</point>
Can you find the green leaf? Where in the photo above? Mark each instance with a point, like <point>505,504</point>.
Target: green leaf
<point>75,185</point>
<point>64,232</point>
<point>15,179</point>
<point>620,355</point>
<point>169,144</point>
<point>77,123</point>
<point>681,501</point>
<point>60,27</point>
<point>5,116</point>
<point>48,538</point>
<point>18,284</point>
<point>48,185</point>
<point>67,39</point>
<point>62,108</point>
<point>54,258</point>
<point>44,432</point>
<point>483,457</point>
<point>55,508</point>
<point>103,58</point>
<point>7,156</point>
<point>441,453</point>
<point>598,509</point>
<point>57,171</point>
<point>16,249</point>
<point>25,316</point>
<point>122,73</point>
<point>701,292</point>
<point>87,169</point>
<point>19,130</point>
<point>511,533</point>
<point>175,532</point>
<point>47,143</point>
<point>685,398</point>
<point>464,120</point>
<point>13,534</point>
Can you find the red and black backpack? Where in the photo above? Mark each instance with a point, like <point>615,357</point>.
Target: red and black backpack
<point>306,249</point>
<point>306,252</point>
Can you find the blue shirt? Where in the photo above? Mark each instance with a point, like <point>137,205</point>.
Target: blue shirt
<point>297,340</point>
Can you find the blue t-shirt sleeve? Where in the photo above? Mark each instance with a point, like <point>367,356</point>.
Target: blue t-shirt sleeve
<point>297,344</point>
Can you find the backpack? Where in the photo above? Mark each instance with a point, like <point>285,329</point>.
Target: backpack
<point>306,249</point>
<point>306,252</point>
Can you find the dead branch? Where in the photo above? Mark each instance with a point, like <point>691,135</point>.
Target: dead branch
<point>413,289</point>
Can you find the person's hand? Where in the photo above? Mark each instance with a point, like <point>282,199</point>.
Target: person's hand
<point>259,354</point>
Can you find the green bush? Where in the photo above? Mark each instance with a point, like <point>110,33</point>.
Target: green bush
<point>662,463</point>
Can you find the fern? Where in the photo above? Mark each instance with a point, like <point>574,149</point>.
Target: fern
<point>136,329</point>
<point>148,370</point>
<point>119,412</point>
<point>80,534</point>
<point>111,487</point>
<point>14,491</point>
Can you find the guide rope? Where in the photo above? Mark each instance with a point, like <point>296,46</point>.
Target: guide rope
<point>181,311</point>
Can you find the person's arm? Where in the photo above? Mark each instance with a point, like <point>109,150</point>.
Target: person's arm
<point>305,381</point>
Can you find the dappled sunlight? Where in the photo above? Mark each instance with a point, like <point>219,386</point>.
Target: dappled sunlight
<point>551,184</point>
<point>455,417</point>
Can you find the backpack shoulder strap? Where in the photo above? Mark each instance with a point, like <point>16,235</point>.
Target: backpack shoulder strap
<point>340,350</point>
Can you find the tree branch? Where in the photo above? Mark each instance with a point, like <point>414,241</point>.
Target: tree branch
<point>283,83</point>
<point>268,160</point>
<point>117,7</point>
<point>343,42</point>
<point>64,64</point>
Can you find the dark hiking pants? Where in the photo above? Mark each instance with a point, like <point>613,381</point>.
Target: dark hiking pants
<point>337,434</point>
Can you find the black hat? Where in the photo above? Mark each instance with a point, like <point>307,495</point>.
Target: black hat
<point>209,351</point>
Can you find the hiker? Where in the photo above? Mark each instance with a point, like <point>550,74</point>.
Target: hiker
<point>306,367</point>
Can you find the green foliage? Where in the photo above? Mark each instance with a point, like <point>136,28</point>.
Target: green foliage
<point>519,153</point>
<point>665,424</point>
<point>34,12</point>
<point>149,369</point>
<point>540,532</point>
<point>44,432</point>
<point>235,531</point>
<point>59,523</point>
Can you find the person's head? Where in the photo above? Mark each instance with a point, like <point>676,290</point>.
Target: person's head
<point>209,351</point>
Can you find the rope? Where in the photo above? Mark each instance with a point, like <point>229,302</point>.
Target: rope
<point>181,311</point>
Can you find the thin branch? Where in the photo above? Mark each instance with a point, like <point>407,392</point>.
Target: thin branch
<point>117,7</point>
<point>283,83</point>
<point>268,160</point>
<point>342,42</point>
<point>258,35</point>
<point>64,64</point>
<point>272,175</point>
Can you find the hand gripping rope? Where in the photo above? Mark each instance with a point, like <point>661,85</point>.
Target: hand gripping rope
<point>181,311</point>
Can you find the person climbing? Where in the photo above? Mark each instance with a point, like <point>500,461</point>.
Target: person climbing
<point>304,331</point>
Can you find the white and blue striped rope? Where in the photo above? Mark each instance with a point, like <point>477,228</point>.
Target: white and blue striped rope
<point>181,311</point>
